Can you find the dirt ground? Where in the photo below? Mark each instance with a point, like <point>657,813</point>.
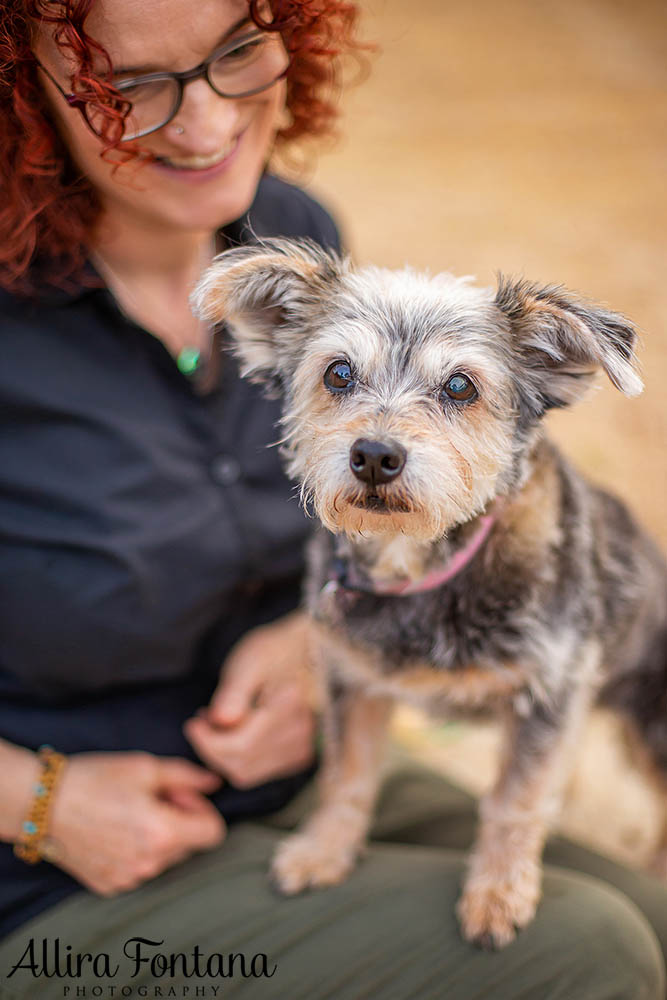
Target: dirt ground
<point>529,138</point>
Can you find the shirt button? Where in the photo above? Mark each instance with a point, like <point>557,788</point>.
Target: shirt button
<point>225,470</point>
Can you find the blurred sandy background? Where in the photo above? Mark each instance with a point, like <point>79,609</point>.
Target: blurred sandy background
<point>528,137</point>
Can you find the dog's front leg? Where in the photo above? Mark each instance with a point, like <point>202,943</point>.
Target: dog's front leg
<point>503,884</point>
<point>324,850</point>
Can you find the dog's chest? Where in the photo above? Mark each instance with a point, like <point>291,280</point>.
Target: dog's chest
<point>446,628</point>
<point>459,645</point>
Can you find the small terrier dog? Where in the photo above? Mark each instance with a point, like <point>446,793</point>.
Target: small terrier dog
<point>463,564</point>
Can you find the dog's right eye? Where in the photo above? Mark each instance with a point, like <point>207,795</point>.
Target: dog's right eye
<point>338,377</point>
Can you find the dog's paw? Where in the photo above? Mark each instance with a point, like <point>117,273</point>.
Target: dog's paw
<point>490,915</point>
<point>304,861</point>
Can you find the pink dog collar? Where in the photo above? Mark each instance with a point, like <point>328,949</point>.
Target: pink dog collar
<point>459,561</point>
<point>436,578</point>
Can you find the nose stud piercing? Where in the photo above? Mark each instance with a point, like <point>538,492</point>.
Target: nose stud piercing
<point>179,130</point>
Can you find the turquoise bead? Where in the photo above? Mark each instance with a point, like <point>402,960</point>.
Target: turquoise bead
<point>188,360</point>
<point>30,827</point>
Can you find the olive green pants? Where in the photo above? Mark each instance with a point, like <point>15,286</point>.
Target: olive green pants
<point>389,932</point>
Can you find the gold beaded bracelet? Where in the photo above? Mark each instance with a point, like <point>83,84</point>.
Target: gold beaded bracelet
<point>34,843</point>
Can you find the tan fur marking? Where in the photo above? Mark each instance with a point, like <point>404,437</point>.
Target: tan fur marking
<point>323,851</point>
<point>473,686</point>
<point>502,889</point>
<point>400,557</point>
<point>530,521</point>
<point>463,466</point>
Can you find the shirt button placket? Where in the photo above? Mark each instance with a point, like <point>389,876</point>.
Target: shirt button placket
<point>225,470</point>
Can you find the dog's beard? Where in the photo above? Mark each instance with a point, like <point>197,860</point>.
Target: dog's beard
<point>442,487</point>
<point>398,508</point>
<point>382,511</point>
<point>342,517</point>
<point>381,499</point>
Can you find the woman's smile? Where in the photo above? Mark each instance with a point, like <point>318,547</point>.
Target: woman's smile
<point>200,167</point>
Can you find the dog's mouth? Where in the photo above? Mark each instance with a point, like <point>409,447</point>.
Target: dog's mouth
<point>381,504</point>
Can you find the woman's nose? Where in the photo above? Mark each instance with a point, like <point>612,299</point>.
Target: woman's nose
<point>207,120</point>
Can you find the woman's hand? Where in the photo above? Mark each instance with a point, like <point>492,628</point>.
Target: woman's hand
<point>260,723</point>
<point>119,819</point>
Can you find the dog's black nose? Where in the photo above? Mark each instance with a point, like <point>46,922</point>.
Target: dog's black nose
<point>376,462</point>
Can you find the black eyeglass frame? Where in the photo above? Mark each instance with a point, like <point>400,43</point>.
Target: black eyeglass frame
<point>80,103</point>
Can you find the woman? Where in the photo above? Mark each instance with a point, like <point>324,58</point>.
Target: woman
<point>149,536</point>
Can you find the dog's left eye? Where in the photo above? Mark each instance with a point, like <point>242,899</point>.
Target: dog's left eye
<point>460,388</point>
<point>338,376</point>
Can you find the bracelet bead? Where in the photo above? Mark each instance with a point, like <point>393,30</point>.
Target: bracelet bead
<point>34,843</point>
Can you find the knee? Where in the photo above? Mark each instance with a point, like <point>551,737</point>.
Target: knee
<point>608,950</point>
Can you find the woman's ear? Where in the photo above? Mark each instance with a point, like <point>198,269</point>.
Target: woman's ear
<point>561,341</point>
<point>269,295</point>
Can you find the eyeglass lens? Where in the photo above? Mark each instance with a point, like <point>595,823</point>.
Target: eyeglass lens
<point>254,65</point>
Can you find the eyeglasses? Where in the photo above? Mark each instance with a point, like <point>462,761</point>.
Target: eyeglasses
<point>241,68</point>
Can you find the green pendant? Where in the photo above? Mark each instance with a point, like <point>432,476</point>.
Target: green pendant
<point>187,361</point>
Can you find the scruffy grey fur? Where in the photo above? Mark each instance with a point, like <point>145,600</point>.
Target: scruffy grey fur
<point>564,604</point>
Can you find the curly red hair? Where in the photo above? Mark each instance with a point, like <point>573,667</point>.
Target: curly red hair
<point>47,209</point>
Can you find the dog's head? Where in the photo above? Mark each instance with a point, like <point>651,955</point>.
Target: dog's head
<point>409,401</point>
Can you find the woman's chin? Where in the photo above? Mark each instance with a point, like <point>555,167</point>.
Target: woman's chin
<point>207,199</point>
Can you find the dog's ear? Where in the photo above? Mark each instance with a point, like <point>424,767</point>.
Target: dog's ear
<point>268,295</point>
<point>562,341</point>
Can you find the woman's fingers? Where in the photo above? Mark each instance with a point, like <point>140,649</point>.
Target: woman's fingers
<point>276,739</point>
<point>242,677</point>
<point>192,829</point>
<point>264,656</point>
<point>185,798</point>
<point>174,773</point>
<point>122,818</point>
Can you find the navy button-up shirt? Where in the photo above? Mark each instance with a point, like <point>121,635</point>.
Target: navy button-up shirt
<point>145,525</point>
